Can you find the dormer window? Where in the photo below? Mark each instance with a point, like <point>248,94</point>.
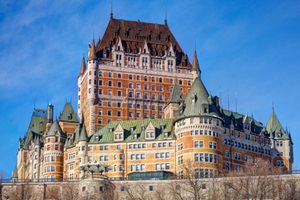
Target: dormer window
<point>111,130</point>
<point>97,138</point>
<point>205,110</point>
<point>150,135</point>
<point>118,136</point>
<point>135,136</point>
<point>166,134</point>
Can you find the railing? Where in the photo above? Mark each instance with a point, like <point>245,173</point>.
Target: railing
<point>53,180</point>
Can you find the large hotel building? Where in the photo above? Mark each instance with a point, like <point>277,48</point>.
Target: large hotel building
<point>144,110</point>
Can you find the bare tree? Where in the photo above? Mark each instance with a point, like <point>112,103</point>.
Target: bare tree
<point>69,191</point>
<point>254,181</point>
<point>192,185</point>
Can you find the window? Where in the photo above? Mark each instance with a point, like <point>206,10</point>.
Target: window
<point>109,83</point>
<point>150,188</point>
<point>119,93</point>
<point>109,74</point>
<point>56,146</point>
<point>56,139</point>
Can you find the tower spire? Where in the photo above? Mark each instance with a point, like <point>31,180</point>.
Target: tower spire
<point>92,55</point>
<point>195,64</point>
<point>111,10</point>
<point>82,67</point>
<point>166,21</point>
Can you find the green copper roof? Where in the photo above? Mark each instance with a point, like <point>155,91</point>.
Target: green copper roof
<point>135,127</point>
<point>275,129</point>
<point>68,114</point>
<point>196,97</point>
<point>83,134</point>
<point>37,125</point>
<point>176,95</point>
<point>54,128</point>
<point>237,120</point>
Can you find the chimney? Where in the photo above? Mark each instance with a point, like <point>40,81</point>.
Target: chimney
<point>50,114</point>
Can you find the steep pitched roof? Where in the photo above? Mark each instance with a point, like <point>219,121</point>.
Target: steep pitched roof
<point>68,114</point>
<point>176,95</point>
<point>36,126</point>
<point>133,127</point>
<point>275,129</point>
<point>83,134</point>
<point>196,97</point>
<point>134,34</point>
<point>92,54</point>
<point>82,67</point>
<point>195,64</point>
<point>54,128</point>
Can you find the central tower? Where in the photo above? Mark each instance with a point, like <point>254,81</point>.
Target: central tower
<point>130,73</point>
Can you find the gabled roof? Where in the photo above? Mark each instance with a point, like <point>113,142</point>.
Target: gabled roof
<point>176,95</point>
<point>133,127</point>
<point>238,120</point>
<point>134,34</point>
<point>37,126</point>
<point>68,114</point>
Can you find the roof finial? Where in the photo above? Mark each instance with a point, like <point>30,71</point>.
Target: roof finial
<point>272,106</point>
<point>166,22</point>
<point>111,10</point>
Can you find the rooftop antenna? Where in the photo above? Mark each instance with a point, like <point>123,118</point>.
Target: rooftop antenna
<point>111,10</point>
<point>220,96</point>
<point>228,101</point>
<point>166,22</point>
<point>236,102</point>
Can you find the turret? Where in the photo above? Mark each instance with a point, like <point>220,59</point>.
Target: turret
<point>281,143</point>
<point>195,65</point>
<point>92,74</point>
<point>82,145</point>
<point>80,77</point>
<point>53,152</point>
<point>173,108</point>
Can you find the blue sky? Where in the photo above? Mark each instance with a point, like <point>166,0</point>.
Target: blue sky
<point>247,49</point>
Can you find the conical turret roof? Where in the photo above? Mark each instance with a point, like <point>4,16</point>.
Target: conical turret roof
<point>83,134</point>
<point>275,128</point>
<point>68,114</point>
<point>176,95</point>
<point>54,128</point>
<point>92,55</point>
<point>196,97</point>
<point>82,67</point>
<point>195,64</point>
<point>273,124</point>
